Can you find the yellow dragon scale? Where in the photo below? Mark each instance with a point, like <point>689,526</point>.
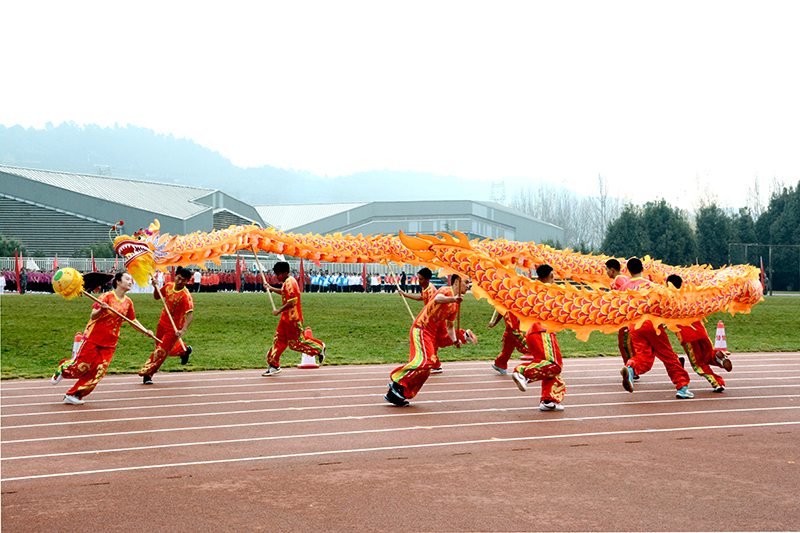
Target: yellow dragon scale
<point>491,265</point>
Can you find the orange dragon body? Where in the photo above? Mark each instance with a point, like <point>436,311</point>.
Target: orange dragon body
<point>492,265</point>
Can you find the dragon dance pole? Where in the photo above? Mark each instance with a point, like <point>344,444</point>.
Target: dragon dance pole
<point>166,309</point>
<point>263,277</point>
<point>398,288</point>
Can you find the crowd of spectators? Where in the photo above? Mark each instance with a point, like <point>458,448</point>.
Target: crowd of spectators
<point>225,281</point>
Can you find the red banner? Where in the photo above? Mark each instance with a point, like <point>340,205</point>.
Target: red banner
<point>364,277</point>
<point>302,280</point>
<point>763,284</point>
<point>55,263</point>
<point>238,279</point>
<point>94,267</point>
<point>17,259</point>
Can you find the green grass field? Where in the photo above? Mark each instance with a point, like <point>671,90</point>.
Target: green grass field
<point>234,331</point>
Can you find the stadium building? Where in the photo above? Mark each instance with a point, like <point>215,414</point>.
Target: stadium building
<point>60,212</point>
<point>479,220</point>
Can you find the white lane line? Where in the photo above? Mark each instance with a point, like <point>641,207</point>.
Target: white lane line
<point>432,388</point>
<point>294,386</point>
<point>397,429</point>
<point>122,380</point>
<point>394,448</point>
<point>393,412</point>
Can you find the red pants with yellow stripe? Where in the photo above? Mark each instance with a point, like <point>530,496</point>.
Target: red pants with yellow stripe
<point>701,355</point>
<point>649,343</point>
<point>546,365</point>
<point>443,340</point>
<point>88,367</point>
<point>290,335</point>
<point>422,359</point>
<point>170,347</point>
<point>513,339</point>
<point>625,343</point>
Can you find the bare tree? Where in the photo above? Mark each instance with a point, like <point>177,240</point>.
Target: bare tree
<point>583,218</point>
<point>754,201</point>
<point>607,209</point>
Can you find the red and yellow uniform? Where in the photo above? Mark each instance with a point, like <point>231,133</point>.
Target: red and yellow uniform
<point>623,335</point>
<point>649,343</point>
<point>423,336</point>
<point>179,303</point>
<point>546,365</point>
<point>698,347</point>
<point>289,333</point>
<point>100,341</point>
<point>513,339</point>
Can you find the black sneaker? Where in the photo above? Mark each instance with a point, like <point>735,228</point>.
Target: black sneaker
<point>147,380</point>
<point>321,355</point>
<point>185,355</point>
<point>395,397</point>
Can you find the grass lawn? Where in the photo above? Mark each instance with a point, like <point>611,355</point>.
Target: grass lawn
<point>234,331</point>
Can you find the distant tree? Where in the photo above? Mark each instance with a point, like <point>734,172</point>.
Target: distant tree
<point>754,203</point>
<point>714,232</point>
<point>671,238</point>
<point>626,236</point>
<point>101,249</point>
<point>8,246</point>
<point>583,218</point>
<point>780,224</point>
<point>743,230</point>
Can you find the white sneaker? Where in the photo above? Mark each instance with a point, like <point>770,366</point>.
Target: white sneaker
<point>550,406</point>
<point>72,400</point>
<point>56,378</point>
<point>470,337</point>
<point>520,380</point>
<point>437,370</point>
<point>272,371</point>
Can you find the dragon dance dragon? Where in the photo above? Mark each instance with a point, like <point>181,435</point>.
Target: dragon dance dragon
<point>493,266</point>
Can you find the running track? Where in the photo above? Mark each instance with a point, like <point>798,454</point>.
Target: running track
<point>319,450</point>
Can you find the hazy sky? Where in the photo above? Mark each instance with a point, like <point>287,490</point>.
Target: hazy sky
<point>650,95</point>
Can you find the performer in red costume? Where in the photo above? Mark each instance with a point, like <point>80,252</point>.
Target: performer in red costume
<point>697,345</point>
<point>649,343</point>
<point>289,333</point>
<point>408,379</point>
<point>99,341</point>
<point>180,305</point>
<point>443,339</point>
<point>618,280</point>
<point>513,339</point>
<point>547,364</point>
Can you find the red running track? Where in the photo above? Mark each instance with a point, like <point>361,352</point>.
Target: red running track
<point>319,450</point>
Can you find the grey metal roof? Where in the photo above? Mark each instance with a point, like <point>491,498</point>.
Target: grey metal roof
<point>512,211</point>
<point>288,217</point>
<point>162,198</point>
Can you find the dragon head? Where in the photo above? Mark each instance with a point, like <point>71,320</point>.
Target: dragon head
<point>139,252</point>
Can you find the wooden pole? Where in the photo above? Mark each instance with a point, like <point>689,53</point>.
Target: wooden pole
<point>263,277</point>
<point>131,322</point>
<point>398,288</point>
<point>166,310</point>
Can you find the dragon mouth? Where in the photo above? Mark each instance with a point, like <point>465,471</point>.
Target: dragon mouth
<point>130,249</point>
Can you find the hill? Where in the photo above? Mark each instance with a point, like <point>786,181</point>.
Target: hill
<point>140,153</point>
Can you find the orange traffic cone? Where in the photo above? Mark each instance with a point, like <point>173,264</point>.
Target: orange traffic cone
<point>721,352</point>
<point>76,346</point>
<point>720,342</point>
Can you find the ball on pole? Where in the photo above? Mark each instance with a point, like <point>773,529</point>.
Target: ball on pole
<point>68,282</point>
